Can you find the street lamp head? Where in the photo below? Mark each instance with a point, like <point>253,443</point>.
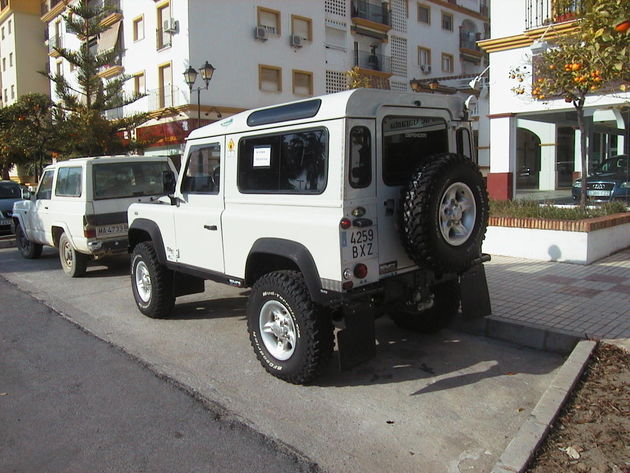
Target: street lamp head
<point>206,72</point>
<point>434,84</point>
<point>190,75</point>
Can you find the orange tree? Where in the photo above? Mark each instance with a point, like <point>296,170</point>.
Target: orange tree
<point>593,59</point>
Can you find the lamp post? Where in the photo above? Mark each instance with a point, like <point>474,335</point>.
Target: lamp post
<point>190,75</point>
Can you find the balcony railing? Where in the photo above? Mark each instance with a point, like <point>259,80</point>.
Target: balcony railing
<point>544,12</point>
<point>4,4</point>
<point>163,38</point>
<point>374,62</point>
<point>111,6</point>
<point>372,11</point>
<point>468,39</point>
<point>169,96</point>
<point>116,61</point>
<point>48,5</point>
<point>55,42</point>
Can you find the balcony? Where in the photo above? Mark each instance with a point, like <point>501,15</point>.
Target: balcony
<point>372,62</point>
<point>50,8</point>
<point>468,48</point>
<point>113,68</point>
<point>371,15</point>
<point>54,42</point>
<point>544,12</point>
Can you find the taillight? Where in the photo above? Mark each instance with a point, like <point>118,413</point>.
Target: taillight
<point>360,271</point>
<point>89,232</point>
<point>347,285</point>
<point>345,223</point>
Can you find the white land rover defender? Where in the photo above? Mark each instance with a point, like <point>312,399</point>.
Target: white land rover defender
<point>334,210</point>
<point>80,207</point>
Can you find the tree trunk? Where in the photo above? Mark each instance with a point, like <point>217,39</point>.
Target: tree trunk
<point>579,108</point>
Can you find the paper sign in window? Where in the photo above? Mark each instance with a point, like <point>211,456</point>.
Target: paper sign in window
<point>262,156</point>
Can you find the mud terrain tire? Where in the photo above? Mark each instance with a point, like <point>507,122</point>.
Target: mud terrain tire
<point>292,336</point>
<point>445,214</point>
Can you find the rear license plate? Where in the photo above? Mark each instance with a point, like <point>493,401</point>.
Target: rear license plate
<point>598,193</point>
<point>362,243</point>
<point>107,230</point>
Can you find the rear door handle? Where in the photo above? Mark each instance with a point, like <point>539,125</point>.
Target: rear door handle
<point>210,227</point>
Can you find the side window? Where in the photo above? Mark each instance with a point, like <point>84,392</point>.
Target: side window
<point>288,163</point>
<point>406,141</point>
<point>203,170</point>
<point>462,137</point>
<point>68,182</point>
<point>45,186</point>
<point>360,175</point>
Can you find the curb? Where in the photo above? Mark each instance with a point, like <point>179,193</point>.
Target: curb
<point>521,333</point>
<point>519,451</point>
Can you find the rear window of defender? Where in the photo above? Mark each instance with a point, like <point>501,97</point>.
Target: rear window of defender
<point>406,141</point>
<point>284,163</point>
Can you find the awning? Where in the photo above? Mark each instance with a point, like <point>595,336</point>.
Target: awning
<point>108,39</point>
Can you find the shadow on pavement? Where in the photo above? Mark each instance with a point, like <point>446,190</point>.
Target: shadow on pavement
<point>211,309</point>
<point>439,362</point>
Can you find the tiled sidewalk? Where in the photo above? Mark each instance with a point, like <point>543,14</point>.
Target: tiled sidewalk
<point>584,300</point>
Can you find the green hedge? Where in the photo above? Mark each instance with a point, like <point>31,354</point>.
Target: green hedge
<point>529,208</point>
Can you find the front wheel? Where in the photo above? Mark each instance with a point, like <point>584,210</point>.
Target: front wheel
<point>292,337</point>
<point>27,248</point>
<point>445,305</point>
<point>151,282</point>
<point>74,264</point>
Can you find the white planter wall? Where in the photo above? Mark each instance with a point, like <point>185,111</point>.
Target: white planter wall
<point>555,245</point>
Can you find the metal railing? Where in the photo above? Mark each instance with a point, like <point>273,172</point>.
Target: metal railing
<point>163,38</point>
<point>169,96</point>
<point>48,5</point>
<point>544,12</point>
<point>468,39</point>
<point>55,42</point>
<point>116,61</point>
<point>376,12</point>
<point>372,61</point>
<point>111,6</point>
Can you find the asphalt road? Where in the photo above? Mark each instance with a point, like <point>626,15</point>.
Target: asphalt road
<point>70,402</point>
<point>447,403</point>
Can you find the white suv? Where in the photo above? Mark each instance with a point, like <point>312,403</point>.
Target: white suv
<point>334,209</point>
<point>80,207</point>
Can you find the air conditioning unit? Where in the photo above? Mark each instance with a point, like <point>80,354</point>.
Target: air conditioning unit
<point>260,32</point>
<point>296,41</point>
<point>170,26</point>
<point>426,68</point>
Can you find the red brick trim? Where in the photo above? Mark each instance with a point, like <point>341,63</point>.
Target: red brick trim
<point>586,225</point>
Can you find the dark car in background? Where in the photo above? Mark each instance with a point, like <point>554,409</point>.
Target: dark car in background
<point>10,192</point>
<point>611,181</point>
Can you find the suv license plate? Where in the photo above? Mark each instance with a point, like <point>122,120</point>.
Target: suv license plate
<point>598,193</point>
<point>362,243</point>
<point>107,230</point>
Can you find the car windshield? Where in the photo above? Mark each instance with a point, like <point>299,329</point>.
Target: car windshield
<point>128,179</point>
<point>618,165</point>
<point>9,191</point>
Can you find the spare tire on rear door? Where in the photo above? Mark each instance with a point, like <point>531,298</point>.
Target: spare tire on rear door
<point>445,213</point>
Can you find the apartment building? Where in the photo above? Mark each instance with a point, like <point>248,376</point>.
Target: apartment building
<point>271,51</point>
<point>535,144</point>
<point>22,52</point>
